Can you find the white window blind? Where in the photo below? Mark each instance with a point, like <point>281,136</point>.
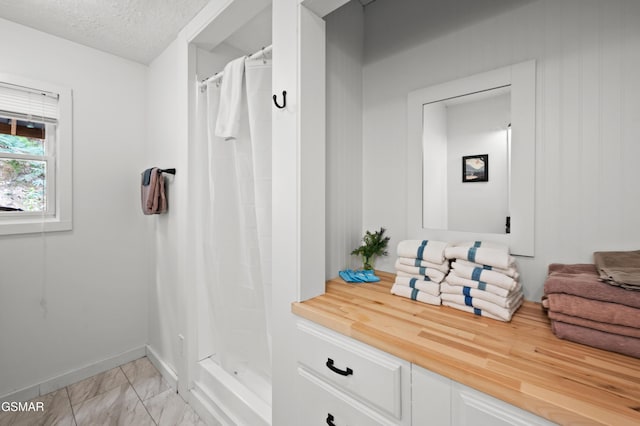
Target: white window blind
<point>28,104</point>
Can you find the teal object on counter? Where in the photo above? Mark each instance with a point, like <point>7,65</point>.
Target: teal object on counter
<point>359,276</point>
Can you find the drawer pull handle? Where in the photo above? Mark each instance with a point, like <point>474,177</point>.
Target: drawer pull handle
<point>346,372</point>
<point>330,420</point>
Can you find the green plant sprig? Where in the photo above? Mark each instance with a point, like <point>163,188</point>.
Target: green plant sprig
<point>373,244</point>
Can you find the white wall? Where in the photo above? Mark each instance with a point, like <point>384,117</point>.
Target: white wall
<point>434,177</point>
<point>167,134</point>
<point>588,60</point>
<point>92,280</point>
<point>345,43</point>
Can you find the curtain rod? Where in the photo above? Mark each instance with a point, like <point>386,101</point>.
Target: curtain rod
<point>259,54</point>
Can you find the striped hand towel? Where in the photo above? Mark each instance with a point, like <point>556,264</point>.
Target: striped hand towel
<point>414,294</point>
<point>483,244</point>
<point>426,286</point>
<point>507,302</point>
<point>429,250</point>
<point>511,272</point>
<point>502,313</point>
<point>455,280</point>
<point>471,309</point>
<point>442,267</point>
<point>484,256</point>
<point>433,274</point>
<point>481,274</point>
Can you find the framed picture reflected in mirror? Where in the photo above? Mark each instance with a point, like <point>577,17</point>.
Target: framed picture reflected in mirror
<point>475,168</point>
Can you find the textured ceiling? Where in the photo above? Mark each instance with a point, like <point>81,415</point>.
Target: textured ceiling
<point>134,29</point>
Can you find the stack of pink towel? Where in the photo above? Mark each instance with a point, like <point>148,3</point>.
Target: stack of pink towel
<point>483,280</point>
<point>584,309</point>
<point>420,268</point>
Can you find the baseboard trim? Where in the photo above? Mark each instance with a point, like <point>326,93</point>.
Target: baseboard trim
<point>74,376</point>
<point>207,408</point>
<point>165,369</point>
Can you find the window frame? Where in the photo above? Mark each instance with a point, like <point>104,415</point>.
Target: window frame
<point>58,153</point>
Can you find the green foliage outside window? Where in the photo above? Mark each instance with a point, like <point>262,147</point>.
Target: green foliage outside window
<point>22,182</point>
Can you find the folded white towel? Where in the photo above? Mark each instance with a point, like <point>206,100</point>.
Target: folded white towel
<point>507,301</point>
<point>418,277</point>
<point>455,280</point>
<point>414,294</point>
<point>433,274</point>
<point>481,274</point>
<point>426,286</point>
<point>483,305</point>
<point>483,244</point>
<point>443,267</point>
<point>230,109</point>
<point>429,250</point>
<point>484,256</point>
<point>472,310</point>
<point>511,272</point>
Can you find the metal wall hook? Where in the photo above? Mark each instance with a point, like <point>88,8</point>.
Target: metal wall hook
<point>284,100</point>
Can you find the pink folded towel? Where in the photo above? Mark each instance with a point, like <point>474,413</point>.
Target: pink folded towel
<point>602,326</point>
<point>596,338</point>
<point>595,310</point>
<point>583,280</point>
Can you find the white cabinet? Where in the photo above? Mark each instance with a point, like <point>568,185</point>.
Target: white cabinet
<point>471,407</point>
<point>439,401</point>
<point>344,382</point>
<point>341,381</point>
<point>431,398</point>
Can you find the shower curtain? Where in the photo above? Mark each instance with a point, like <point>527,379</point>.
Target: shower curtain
<point>233,215</point>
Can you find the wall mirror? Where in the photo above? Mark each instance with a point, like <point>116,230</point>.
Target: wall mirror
<point>472,158</point>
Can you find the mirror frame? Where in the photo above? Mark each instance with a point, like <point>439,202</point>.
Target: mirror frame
<point>522,79</point>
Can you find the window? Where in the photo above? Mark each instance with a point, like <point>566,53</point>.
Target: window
<point>35,156</point>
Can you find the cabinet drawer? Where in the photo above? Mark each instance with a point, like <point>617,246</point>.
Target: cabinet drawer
<point>320,403</point>
<point>359,370</point>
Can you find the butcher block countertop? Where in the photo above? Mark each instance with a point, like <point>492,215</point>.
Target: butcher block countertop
<point>520,362</point>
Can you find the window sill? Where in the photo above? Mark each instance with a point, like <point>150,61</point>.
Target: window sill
<point>17,226</point>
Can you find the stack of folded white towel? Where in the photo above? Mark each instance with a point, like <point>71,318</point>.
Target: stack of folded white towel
<point>420,268</point>
<point>483,280</point>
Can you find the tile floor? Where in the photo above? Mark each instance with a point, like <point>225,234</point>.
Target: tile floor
<point>133,394</point>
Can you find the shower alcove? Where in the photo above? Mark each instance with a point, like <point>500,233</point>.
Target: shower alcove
<point>230,215</point>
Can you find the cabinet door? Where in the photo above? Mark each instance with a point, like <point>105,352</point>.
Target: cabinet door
<point>431,398</point>
<point>471,407</point>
